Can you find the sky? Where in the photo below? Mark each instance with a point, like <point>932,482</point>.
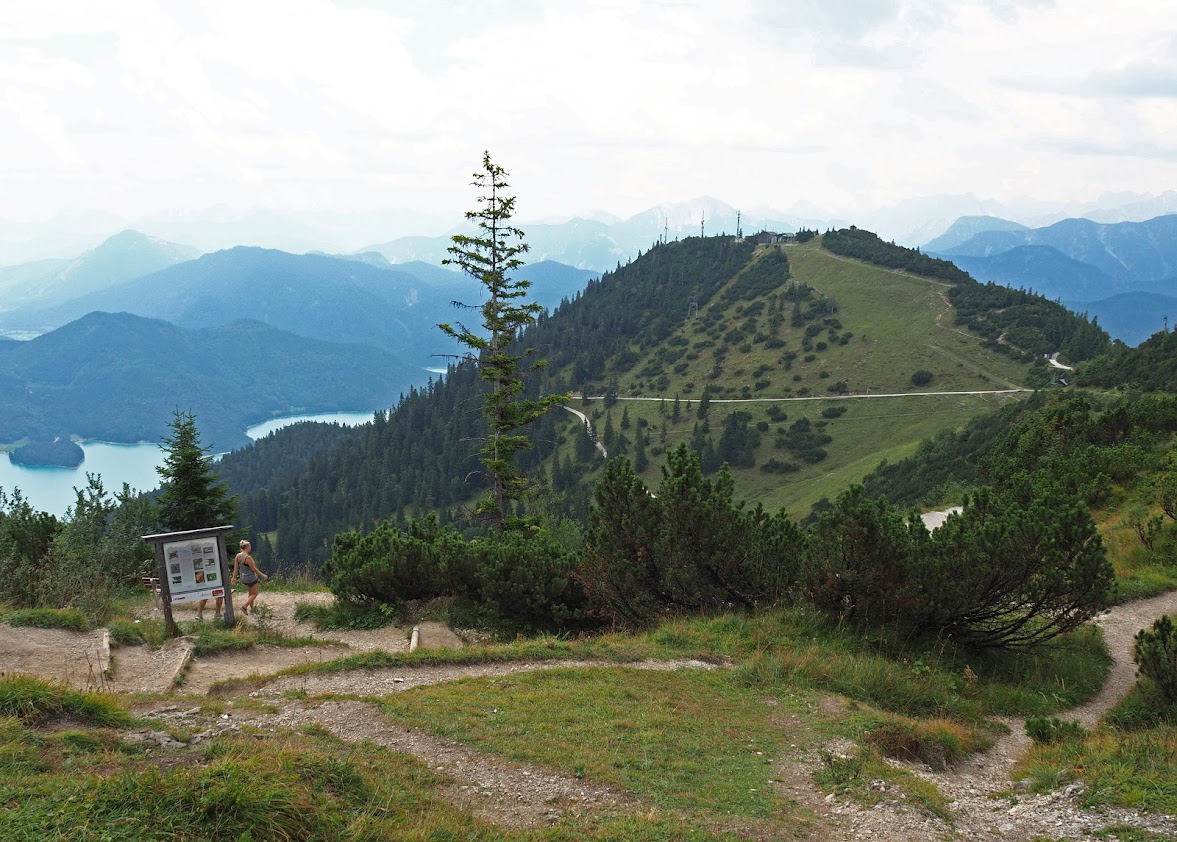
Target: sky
<point>140,107</point>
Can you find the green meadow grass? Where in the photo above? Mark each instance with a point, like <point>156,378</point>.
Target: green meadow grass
<point>86,783</point>
<point>870,431</point>
<point>687,741</point>
<point>1129,761</point>
<point>1140,572</point>
<point>899,324</point>
<point>31,700</point>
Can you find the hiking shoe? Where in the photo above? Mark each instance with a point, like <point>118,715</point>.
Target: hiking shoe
<point>200,617</point>
<point>218,616</point>
<point>244,609</point>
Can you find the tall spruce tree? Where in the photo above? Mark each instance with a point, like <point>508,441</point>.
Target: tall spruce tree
<point>491,256</point>
<point>192,496</point>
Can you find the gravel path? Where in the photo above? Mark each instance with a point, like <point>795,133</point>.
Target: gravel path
<point>972,785</point>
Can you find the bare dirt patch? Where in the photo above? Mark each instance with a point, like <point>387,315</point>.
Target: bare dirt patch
<point>72,658</point>
<point>383,682</point>
<point>276,615</point>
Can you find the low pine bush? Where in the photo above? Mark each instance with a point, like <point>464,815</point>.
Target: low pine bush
<point>390,565</point>
<point>526,583</point>
<point>1051,730</point>
<point>1156,656</point>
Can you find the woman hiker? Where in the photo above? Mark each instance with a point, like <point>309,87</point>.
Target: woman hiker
<point>246,570</point>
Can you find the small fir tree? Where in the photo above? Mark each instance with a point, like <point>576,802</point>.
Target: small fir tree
<point>490,257</point>
<point>192,495</point>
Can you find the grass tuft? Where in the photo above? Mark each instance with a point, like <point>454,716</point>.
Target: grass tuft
<point>66,619</point>
<point>33,700</point>
<point>342,615</point>
<point>866,778</point>
<point>937,742</point>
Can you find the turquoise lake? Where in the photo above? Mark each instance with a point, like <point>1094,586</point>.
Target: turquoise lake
<point>52,489</point>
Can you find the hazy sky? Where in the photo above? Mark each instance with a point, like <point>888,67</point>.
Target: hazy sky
<point>137,106</point>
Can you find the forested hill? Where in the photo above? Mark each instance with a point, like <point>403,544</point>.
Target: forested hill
<point>643,301</point>
<point>1087,442</point>
<point>118,377</point>
<point>1150,367</point>
<point>423,455</point>
<point>1016,322</point>
<point>701,320</point>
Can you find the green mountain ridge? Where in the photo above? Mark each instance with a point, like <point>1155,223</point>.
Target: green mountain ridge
<point>804,342</point>
<point>1074,260</point>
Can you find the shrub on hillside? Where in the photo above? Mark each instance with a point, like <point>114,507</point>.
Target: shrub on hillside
<point>525,581</point>
<point>25,538</point>
<point>691,547</point>
<point>1005,572</point>
<point>1156,656</point>
<point>391,566</point>
<point>861,553</point>
<point>80,561</point>
<point>517,579</point>
<point>1012,572</point>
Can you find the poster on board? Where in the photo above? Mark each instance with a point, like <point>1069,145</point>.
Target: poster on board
<point>193,569</point>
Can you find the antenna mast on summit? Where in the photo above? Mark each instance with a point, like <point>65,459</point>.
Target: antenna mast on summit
<point>701,221</point>
<point>739,233</point>
<point>665,228</point>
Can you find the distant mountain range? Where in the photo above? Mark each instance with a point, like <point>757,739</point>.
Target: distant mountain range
<point>911,222</point>
<point>1102,269</point>
<point>320,333</point>
<point>601,244</point>
<point>118,377</point>
<point>120,258</point>
<point>337,299</point>
<point>1131,317</point>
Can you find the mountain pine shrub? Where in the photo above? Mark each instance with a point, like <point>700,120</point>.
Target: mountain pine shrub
<point>1006,572</point>
<point>690,547</point>
<point>392,566</point>
<point>861,555</point>
<point>1156,656</point>
<point>525,582</point>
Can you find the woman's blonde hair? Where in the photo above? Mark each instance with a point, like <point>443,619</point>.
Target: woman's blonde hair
<point>243,544</point>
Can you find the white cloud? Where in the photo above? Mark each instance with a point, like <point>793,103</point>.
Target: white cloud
<point>140,106</point>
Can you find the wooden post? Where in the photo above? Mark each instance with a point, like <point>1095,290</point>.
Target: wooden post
<point>230,620</point>
<point>165,591</point>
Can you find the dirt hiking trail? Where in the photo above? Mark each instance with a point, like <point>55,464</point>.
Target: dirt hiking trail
<point>985,804</point>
